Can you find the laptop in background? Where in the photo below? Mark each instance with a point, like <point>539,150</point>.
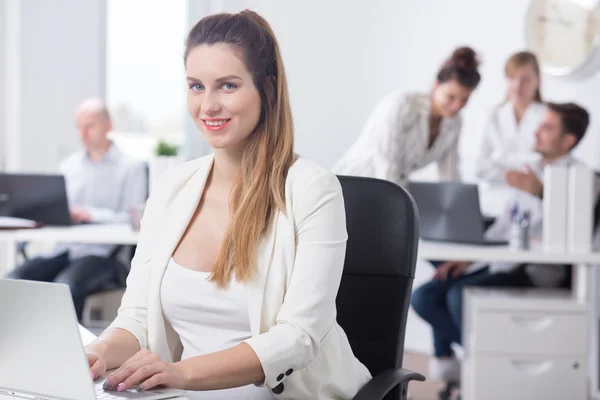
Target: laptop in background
<point>41,198</point>
<point>41,352</point>
<point>450,212</point>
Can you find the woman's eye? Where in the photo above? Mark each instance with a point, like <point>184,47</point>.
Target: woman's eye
<point>229,86</point>
<point>196,87</point>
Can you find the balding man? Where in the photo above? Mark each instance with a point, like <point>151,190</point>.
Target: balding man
<point>103,184</point>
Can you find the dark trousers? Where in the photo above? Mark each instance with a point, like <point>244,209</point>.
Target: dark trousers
<point>440,302</point>
<point>85,276</point>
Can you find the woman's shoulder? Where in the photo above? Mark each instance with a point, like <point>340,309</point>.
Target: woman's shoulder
<point>403,99</point>
<point>303,170</point>
<point>310,187</point>
<point>499,109</point>
<point>398,104</point>
<point>305,175</point>
<point>539,107</point>
<point>493,115</point>
<point>173,177</point>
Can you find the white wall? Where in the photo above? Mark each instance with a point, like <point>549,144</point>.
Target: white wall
<point>2,84</point>
<point>58,60</point>
<point>343,57</point>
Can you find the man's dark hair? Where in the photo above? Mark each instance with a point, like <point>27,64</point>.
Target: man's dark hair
<point>575,119</point>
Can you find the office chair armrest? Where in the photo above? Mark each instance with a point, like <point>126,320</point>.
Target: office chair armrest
<point>378,387</point>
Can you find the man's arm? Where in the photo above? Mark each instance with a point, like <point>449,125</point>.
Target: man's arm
<point>527,181</point>
<point>133,194</point>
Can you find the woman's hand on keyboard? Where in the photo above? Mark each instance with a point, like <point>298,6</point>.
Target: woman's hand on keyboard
<point>145,371</point>
<point>97,364</point>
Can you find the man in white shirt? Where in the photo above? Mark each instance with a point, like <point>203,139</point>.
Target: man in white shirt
<point>439,302</point>
<point>103,185</point>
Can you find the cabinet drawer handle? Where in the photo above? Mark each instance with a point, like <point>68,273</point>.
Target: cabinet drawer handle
<point>532,368</point>
<point>533,323</point>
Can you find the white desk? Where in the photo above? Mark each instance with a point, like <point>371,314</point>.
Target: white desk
<point>454,251</point>
<point>92,233</point>
<point>581,285</point>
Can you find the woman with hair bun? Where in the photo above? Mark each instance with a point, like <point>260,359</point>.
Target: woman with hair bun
<point>408,131</point>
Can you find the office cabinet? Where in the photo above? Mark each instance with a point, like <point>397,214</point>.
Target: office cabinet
<point>524,344</point>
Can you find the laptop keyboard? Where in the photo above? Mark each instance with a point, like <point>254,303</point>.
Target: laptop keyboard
<point>102,394</point>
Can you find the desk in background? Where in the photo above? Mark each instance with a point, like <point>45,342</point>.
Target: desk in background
<point>582,297</point>
<point>453,251</point>
<point>89,233</point>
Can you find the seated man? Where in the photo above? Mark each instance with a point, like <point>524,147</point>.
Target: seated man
<point>439,302</point>
<point>103,184</point>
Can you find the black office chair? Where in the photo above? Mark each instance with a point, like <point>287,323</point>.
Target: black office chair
<point>374,294</point>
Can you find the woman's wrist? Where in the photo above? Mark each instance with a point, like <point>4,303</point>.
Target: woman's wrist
<point>98,347</point>
<point>185,371</point>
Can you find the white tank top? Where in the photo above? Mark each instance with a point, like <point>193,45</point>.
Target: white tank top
<point>208,319</point>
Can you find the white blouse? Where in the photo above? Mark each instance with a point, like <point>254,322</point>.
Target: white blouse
<point>395,139</point>
<point>208,319</point>
<point>505,144</point>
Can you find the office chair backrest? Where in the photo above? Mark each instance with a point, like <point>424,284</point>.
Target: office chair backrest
<point>374,295</point>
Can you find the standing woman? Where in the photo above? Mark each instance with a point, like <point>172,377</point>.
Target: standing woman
<point>232,289</point>
<point>408,131</point>
<point>508,137</point>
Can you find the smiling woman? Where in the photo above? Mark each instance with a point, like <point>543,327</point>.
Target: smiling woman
<point>232,289</point>
<point>223,104</point>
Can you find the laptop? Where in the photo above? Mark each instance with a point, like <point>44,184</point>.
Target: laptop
<point>450,212</point>
<point>41,198</point>
<point>41,352</point>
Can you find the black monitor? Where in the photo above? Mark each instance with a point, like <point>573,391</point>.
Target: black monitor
<point>450,212</point>
<point>42,198</point>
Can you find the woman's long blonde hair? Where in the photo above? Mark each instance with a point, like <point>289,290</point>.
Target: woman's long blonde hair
<point>260,189</point>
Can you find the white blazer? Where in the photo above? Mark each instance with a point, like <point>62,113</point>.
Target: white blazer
<point>394,142</point>
<point>291,301</point>
<point>505,144</point>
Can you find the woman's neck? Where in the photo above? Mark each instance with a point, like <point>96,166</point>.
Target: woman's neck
<point>519,110</point>
<point>434,111</point>
<point>226,168</point>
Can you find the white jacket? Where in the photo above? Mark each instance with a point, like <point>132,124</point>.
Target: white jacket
<point>394,142</point>
<point>291,302</point>
<point>505,144</point>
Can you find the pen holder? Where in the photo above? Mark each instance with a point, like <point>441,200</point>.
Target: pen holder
<point>520,235</point>
<point>520,238</point>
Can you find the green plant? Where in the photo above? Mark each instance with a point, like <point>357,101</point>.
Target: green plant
<point>165,149</point>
